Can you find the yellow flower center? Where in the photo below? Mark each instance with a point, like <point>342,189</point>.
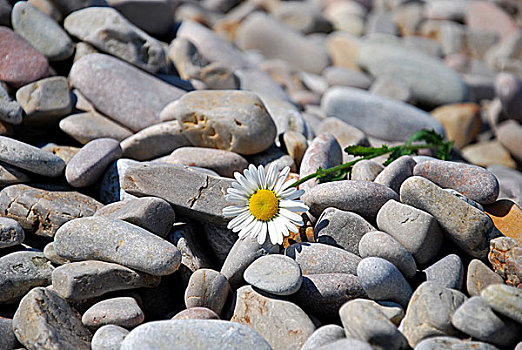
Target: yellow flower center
<point>264,205</point>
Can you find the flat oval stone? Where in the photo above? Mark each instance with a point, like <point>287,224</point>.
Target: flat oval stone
<point>383,281</point>
<point>41,31</point>
<point>466,226</point>
<point>275,274</point>
<point>366,170</point>
<point>340,228</point>
<point>50,253</point>
<point>323,152</point>
<point>382,245</point>
<point>117,241</point>
<point>85,127</point>
<point>223,119</point>
<point>479,277</point>
<point>395,173</point>
<point>207,288</point>
<point>377,116</point>
<point>448,272</point>
<point>108,337</point>
<point>140,97</point>
<point>194,334</point>
<point>505,300</point>
<point>314,258</point>
<point>30,158</point>
<point>324,335</point>
<point>361,197</point>
<point>69,279</point>
<point>225,163</point>
<point>22,271</point>
<point>44,320</point>
<point>444,343</point>
<point>122,311</point>
<point>196,313</point>
<point>348,343</point>
<point>282,323</point>
<point>472,181</point>
<point>11,233</point>
<point>22,63</point>
<point>89,164</point>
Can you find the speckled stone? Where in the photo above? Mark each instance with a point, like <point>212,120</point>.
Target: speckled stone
<point>475,318</point>
<point>225,163</point>
<point>194,334</point>
<point>465,199</point>
<point>97,237</point>
<point>21,271</point>
<point>30,158</point>
<point>122,311</point>
<point>323,294</point>
<point>323,152</point>
<point>361,197</point>
<point>275,274</point>
<point>196,313</point>
<point>472,181</point>
<point>89,164</point>
<point>22,63</point>
<point>46,321</point>
<point>396,172</point>
<point>207,288</point>
<point>341,228</point>
<point>42,212</point>
<point>324,335</point>
<point>318,258</point>
<point>122,92</point>
<point>479,277</point>
<point>505,300</point>
<point>41,31</point>
<point>11,233</point>
<point>223,119</point>
<point>282,323</point>
<point>366,170</point>
<point>448,272</point>
<point>465,225</point>
<point>108,337</point>
<point>383,281</point>
<point>506,258</point>
<point>429,312</point>
<point>69,279</point>
<point>382,245</point>
<point>452,343</point>
<point>364,321</point>
<point>85,127</point>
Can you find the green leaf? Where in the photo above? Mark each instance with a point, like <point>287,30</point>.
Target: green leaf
<point>363,151</point>
<point>428,136</point>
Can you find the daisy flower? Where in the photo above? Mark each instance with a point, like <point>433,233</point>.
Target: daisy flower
<point>262,204</point>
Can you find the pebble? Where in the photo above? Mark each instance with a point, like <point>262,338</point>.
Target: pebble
<point>380,244</point>
<point>107,30</point>
<point>507,217</point>
<point>89,164</point>
<point>41,31</point>
<point>274,274</point>
<point>505,257</point>
<point>122,311</point>
<point>509,133</point>
<point>344,133</point>
<point>116,241</point>
<point>10,111</point>
<point>103,79</point>
<point>489,17</point>
<point>392,88</point>
<point>377,116</point>
<point>185,235</point>
<point>10,175</point>
<point>323,294</point>
<point>50,253</point>
<point>194,194</point>
<point>383,281</point>
<point>488,153</point>
<point>282,323</point>
<point>510,183</point>
<point>342,48</point>
<point>361,197</point>
<point>45,320</point>
<point>155,141</point>
<point>508,88</point>
<point>22,63</point>
<point>11,233</point>
<point>444,343</point>
<point>64,152</point>
<point>505,300</point>
<point>85,127</point>
<point>340,228</point>
<point>151,213</point>
<point>366,170</point>
<point>42,212</point>
<point>341,76</point>
<point>348,343</point>
<point>479,277</point>
<point>324,335</point>
<point>364,321</point>
<point>229,125</point>
<point>21,271</point>
<point>296,145</point>
<point>429,312</point>
<point>318,258</point>
<point>468,227</point>
<point>111,186</point>
<point>472,181</point>
<point>465,199</point>
<point>194,334</point>
<point>448,272</point>
<point>475,318</point>
<point>8,340</point>
<point>207,288</point>
<point>462,122</point>
<point>196,313</point>
<point>108,337</point>
<point>394,174</point>
<point>69,279</point>
<point>30,158</point>
<point>225,163</point>
<point>393,311</point>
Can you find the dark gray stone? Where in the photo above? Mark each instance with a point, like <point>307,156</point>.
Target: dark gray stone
<point>122,311</point>
<point>11,233</point>
<point>7,340</point>
<point>448,272</point>
<point>274,274</point>
<point>108,337</point>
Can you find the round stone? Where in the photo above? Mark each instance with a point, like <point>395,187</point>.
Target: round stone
<point>122,311</point>
<point>275,274</point>
<point>108,337</point>
<point>11,233</point>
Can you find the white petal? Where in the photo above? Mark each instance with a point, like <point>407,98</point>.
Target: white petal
<point>244,224</point>
<point>244,182</point>
<point>283,175</point>
<point>233,210</point>
<point>295,218</point>
<point>262,175</point>
<point>251,176</point>
<point>254,175</point>
<point>236,200</point>
<point>240,193</point>
<point>296,206</point>
<point>271,176</point>
<point>280,223</point>
<point>257,229</point>
<point>237,221</point>
<point>272,231</point>
<point>261,238</point>
<point>291,227</point>
<point>288,194</point>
